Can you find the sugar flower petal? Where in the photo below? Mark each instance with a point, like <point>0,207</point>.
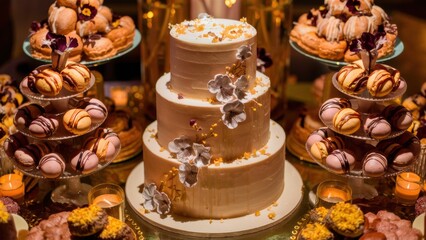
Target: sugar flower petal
<point>221,85</point>
<point>163,202</point>
<point>244,52</point>
<point>148,196</point>
<point>233,113</point>
<point>202,155</point>
<point>188,174</point>
<point>241,86</point>
<point>182,147</point>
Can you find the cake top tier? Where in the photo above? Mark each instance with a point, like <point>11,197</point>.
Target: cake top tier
<point>211,30</point>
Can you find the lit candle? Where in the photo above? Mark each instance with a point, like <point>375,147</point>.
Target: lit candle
<point>331,192</point>
<point>407,188</point>
<point>13,188</point>
<point>110,197</point>
<point>120,96</point>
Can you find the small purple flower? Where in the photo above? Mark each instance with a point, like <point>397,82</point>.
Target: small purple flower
<point>163,202</point>
<point>35,26</point>
<point>148,196</point>
<point>202,155</point>
<point>221,85</point>
<point>241,86</point>
<point>244,52</point>
<point>182,147</point>
<point>353,6</point>
<point>367,46</point>
<point>233,113</point>
<point>86,12</point>
<point>59,42</point>
<point>188,174</point>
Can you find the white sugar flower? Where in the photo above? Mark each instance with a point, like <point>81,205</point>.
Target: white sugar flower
<point>182,147</point>
<point>202,155</point>
<point>188,174</point>
<point>244,52</point>
<point>233,113</point>
<point>221,85</point>
<point>163,202</point>
<point>241,86</point>
<point>148,196</point>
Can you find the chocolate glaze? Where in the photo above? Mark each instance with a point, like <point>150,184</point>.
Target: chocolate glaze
<point>47,125</point>
<point>343,159</point>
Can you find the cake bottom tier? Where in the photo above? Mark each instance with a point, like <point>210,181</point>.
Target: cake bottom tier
<point>223,189</point>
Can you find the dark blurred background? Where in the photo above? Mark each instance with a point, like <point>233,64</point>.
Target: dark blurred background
<point>17,15</point>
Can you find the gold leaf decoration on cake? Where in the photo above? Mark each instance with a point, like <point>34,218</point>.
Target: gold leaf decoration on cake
<point>237,69</point>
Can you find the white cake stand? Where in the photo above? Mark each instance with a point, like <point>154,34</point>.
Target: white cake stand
<point>287,203</point>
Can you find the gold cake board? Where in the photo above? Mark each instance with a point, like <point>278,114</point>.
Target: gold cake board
<point>287,203</point>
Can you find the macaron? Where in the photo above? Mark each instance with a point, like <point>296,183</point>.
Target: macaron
<point>398,116</point>
<point>380,83</point>
<point>110,135</point>
<point>352,78</point>
<point>48,82</point>
<point>340,161</point>
<point>76,77</point>
<point>77,121</point>
<point>398,156</point>
<point>43,126</point>
<point>377,127</point>
<point>26,113</point>
<point>85,161</point>
<point>96,109</point>
<point>318,135</point>
<point>411,142</point>
<point>52,165</point>
<point>320,150</point>
<point>101,147</point>
<point>14,142</point>
<point>347,121</point>
<point>330,107</point>
<point>374,164</point>
<point>29,156</point>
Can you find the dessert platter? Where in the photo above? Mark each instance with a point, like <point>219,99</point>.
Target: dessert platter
<point>102,35</point>
<point>213,119</point>
<point>59,135</point>
<point>326,33</point>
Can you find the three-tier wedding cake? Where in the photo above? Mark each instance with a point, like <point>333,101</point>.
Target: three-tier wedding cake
<point>213,152</point>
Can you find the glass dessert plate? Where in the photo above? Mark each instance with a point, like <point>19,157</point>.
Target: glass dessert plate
<point>136,40</point>
<point>399,48</point>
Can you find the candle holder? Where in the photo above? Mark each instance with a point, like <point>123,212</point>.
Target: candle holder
<point>407,188</point>
<point>330,192</point>
<point>110,197</point>
<point>11,185</point>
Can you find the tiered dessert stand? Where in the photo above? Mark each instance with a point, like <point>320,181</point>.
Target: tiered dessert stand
<point>355,177</point>
<point>73,191</point>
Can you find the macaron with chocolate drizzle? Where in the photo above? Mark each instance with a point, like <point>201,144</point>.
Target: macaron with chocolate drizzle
<point>101,147</point>
<point>76,77</point>
<point>77,121</point>
<point>353,78</point>
<point>29,155</point>
<point>374,164</point>
<point>377,127</point>
<point>52,165</point>
<point>330,107</point>
<point>43,126</point>
<point>85,161</point>
<point>347,121</point>
<point>340,161</point>
<point>398,116</point>
<point>320,150</point>
<point>96,109</point>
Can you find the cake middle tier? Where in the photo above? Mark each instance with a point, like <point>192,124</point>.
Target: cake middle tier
<point>201,120</point>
